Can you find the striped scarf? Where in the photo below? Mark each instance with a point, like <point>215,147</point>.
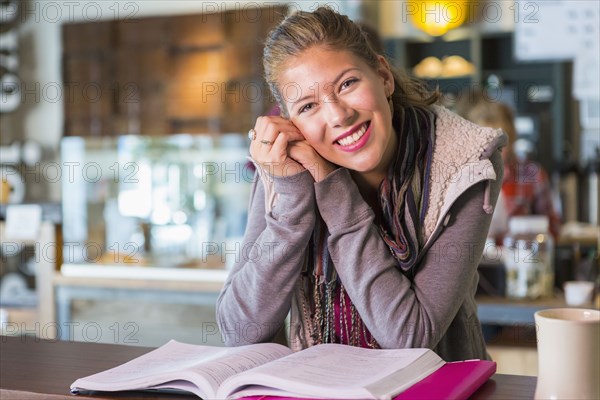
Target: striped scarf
<point>404,194</point>
<point>404,200</point>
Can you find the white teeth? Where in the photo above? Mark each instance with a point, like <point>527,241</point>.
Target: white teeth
<point>348,140</point>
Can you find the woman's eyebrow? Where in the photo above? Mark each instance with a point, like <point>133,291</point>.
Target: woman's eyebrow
<point>336,80</point>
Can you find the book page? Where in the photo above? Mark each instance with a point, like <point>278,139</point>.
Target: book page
<point>238,359</point>
<point>339,371</point>
<point>205,366</point>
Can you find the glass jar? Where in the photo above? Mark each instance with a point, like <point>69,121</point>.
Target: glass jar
<point>529,258</point>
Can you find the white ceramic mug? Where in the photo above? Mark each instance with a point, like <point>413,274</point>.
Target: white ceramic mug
<point>568,343</point>
<point>578,293</point>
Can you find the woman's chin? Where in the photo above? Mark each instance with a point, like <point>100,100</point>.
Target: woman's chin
<point>363,167</point>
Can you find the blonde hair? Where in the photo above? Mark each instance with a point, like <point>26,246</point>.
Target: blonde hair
<point>325,27</point>
<point>479,108</point>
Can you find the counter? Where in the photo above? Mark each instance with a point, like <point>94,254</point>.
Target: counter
<point>32,368</point>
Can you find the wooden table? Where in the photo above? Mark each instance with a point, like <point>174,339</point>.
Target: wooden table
<point>31,368</point>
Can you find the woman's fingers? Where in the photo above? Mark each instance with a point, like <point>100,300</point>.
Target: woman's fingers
<point>293,135</point>
<point>270,145</point>
<point>303,153</point>
<point>268,128</point>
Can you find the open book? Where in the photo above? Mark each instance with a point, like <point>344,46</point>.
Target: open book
<point>322,371</point>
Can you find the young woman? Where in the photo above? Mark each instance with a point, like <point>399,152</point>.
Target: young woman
<point>372,209</point>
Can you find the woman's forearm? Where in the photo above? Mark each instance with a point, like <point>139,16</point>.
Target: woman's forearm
<point>256,297</point>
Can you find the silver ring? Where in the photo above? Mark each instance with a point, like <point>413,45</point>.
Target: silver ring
<point>252,134</point>
<point>266,142</point>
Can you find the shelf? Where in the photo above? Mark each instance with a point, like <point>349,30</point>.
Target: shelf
<point>92,271</point>
<point>526,73</point>
<point>454,35</point>
<point>452,86</point>
<point>492,53</point>
<point>449,78</point>
<point>505,311</point>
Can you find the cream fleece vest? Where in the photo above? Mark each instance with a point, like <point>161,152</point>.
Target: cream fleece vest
<point>460,160</point>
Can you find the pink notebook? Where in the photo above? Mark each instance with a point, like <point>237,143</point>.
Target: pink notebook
<point>455,380</point>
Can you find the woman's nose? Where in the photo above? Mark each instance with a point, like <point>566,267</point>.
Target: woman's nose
<point>338,112</point>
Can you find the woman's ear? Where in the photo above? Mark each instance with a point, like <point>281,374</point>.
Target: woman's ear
<point>385,72</point>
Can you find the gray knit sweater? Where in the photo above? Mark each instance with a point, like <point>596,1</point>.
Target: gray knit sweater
<point>436,309</point>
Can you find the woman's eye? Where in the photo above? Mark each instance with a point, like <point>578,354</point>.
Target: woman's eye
<point>348,82</point>
<point>307,107</point>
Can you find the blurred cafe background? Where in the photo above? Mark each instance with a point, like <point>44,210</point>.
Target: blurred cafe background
<point>123,155</point>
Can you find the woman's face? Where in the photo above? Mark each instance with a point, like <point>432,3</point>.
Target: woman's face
<point>339,104</point>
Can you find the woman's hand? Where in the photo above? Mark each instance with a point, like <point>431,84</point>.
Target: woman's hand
<point>281,150</point>
<point>307,156</point>
<point>273,136</point>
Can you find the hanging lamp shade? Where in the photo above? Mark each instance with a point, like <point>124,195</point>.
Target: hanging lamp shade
<point>436,17</point>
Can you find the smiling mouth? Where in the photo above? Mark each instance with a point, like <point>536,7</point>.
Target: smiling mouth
<point>351,139</point>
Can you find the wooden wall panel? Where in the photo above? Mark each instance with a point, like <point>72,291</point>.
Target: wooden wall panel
<point>194,88</point>
<point>196,126</point>
<point>88,126</point>
<point>140,102</point>
<point>153,113</point>
<point>198,31</point>
<point>88,37</point>
<point>161,75</point>
<point>245,100</point>
<point>243,62</point>
<point>251,26</point>
<point>147,65</point>
<point>87,94</point>
<point>146,33</point>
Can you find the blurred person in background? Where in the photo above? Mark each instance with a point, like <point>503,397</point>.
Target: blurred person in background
<point>526,188</point>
